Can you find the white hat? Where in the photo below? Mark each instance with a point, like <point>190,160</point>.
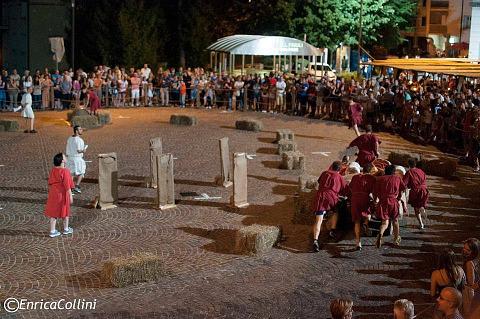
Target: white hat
<point>354,167</point>
<point>401,169</point>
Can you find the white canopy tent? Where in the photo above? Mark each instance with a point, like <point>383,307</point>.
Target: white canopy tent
<point>224,51</point>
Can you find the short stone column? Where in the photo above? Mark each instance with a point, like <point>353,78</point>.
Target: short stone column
<point>155,149</point>
<point>165,182</point>
<point>240,180</point>
<point>286,146</point>
<point>225,178</point>
<point>284,134</point>
<point>107,180</point>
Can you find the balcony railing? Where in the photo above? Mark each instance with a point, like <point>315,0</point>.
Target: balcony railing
<point>438,28</point>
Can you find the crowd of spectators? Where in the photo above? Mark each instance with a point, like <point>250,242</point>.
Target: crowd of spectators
<point>440,110</point>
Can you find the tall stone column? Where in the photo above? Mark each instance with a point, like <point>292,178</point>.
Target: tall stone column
<point>226,175</point>
<point>240,180</point>
<point>155,149</point>
<point>107,180</point>
<point>165,182</point>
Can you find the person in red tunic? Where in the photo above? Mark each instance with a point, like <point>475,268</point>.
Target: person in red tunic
<point>387,191</point>
<point>355,113</point>
<point>330,185</point>
<point>367,144</point>
<point>360,191</point>
<point>415,180</point>
<point>93,101</point>
<point>60,184</point>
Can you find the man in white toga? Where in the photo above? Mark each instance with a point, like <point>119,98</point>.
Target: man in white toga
<point>75,163</point>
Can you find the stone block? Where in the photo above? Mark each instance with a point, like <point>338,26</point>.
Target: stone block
<point>9,125</point>
<point>307,183</point>
<point>249,125</point>
<point>125,271</point>
<point>293,160</point>
<point>284,134</point>
<point>286,146</point>
<point>179,119</point>
<point>302,203</point>
<point>256,239</point>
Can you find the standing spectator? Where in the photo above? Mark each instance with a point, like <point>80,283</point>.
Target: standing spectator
<point>66,90</point>
<point>60,186</point>
<point>164,88</point>
<point>355,114</point>
<point>37,92</point>
<point>341,309</point>
<point>183,93</point>
<point>123,85</point>
<point>98,85</point>
<point>388,190</point>
<point>471,265</point>
<point>281,86</point>
<point>135,82</point>
<point>330,185</point>
<point>27,81</point>
<point>13,90</point>
<point>449,302</point>
<point>447,274</point>
<point>238,86</point>
<point>46,85</point>
<point>3,94</point>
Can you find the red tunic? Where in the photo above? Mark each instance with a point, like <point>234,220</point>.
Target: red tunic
<point>94,101</point>
<point>415,179</point>
<point>355,114</point>
<point>360,188</point>
<point>366,144</point>
<point>330,185</point>
<point>59,183</point>
<point>388,189</point>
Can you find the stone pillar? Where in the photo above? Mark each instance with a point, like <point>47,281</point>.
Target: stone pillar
<point>240,180</point>
<point>155,149</point>
<point>107,180</point>
<point>165,182</point>
<point>226,177</point>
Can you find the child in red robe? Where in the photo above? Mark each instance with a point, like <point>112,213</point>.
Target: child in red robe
<point>60,184</point>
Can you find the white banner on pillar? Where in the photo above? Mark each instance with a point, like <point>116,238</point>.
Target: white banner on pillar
<point>58,48</point>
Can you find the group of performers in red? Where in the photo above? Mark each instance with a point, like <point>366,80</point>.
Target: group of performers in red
<point>368,193</point>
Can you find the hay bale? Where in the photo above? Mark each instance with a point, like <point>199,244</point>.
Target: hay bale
<point>9,125</point>
<point>76,112</point>
<point>249,125</point>
<point>179,119</point>
<point>401,158</point>
<point>307,183</point>
<point>284,134</point>
<point>443,167</point>
<point>293,160</point>
<point>302,203</point>
<point>85,121</point>
<point>104,118</point>
<point>143,267</point>
<point>256,239</point>
<point>286,146</point>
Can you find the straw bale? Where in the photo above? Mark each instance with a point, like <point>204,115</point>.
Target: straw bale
<point>142,267</point>
<point>9,125</point>
<point>306,183</point>
<point>286,146</point>
<point>443,167</point>
<point>76,112</point>
<point>85,121</point>
<point>302,202</point>
<point>256,239</point>
<point>249,125</point>
<point>284,134</point>
<point>104,118</point>
<point>180,119</point>
<point>293,160</point>
<point>401,158</point>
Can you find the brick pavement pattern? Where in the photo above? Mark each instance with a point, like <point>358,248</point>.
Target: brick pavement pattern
<point>208,279</point>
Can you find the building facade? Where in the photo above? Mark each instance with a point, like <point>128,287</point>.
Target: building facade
<point>25,29</point>
<point>440,24</point>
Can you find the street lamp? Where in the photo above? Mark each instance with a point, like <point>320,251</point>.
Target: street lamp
<point>73,36</point>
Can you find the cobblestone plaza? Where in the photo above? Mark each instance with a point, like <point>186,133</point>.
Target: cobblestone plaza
<point>207,278</point>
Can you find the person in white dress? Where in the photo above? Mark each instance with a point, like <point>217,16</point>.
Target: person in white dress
<point>27,111</point>
<point>75,163</point>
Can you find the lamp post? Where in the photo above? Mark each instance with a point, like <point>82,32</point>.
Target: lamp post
<point>73,36</point>
<point>359,68</point>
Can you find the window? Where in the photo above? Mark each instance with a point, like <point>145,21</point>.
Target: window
<point>466,22</point>
<point>424,21</point>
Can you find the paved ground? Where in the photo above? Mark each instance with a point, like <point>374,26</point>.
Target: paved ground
<point>207,279</point>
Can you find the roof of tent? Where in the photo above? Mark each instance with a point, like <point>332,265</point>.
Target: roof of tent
<point>243,44</point>
<point>452,66</point>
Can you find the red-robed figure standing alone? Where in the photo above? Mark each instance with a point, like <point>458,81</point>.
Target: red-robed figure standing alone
<point>60,184</point>
<point>415,179</point>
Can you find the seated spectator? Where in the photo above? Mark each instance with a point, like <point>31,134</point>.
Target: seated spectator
<point>341,309</point>
<point>448,274</point>
<point>403,309</point>
<point>448,303</point>
<point>471,266</point>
